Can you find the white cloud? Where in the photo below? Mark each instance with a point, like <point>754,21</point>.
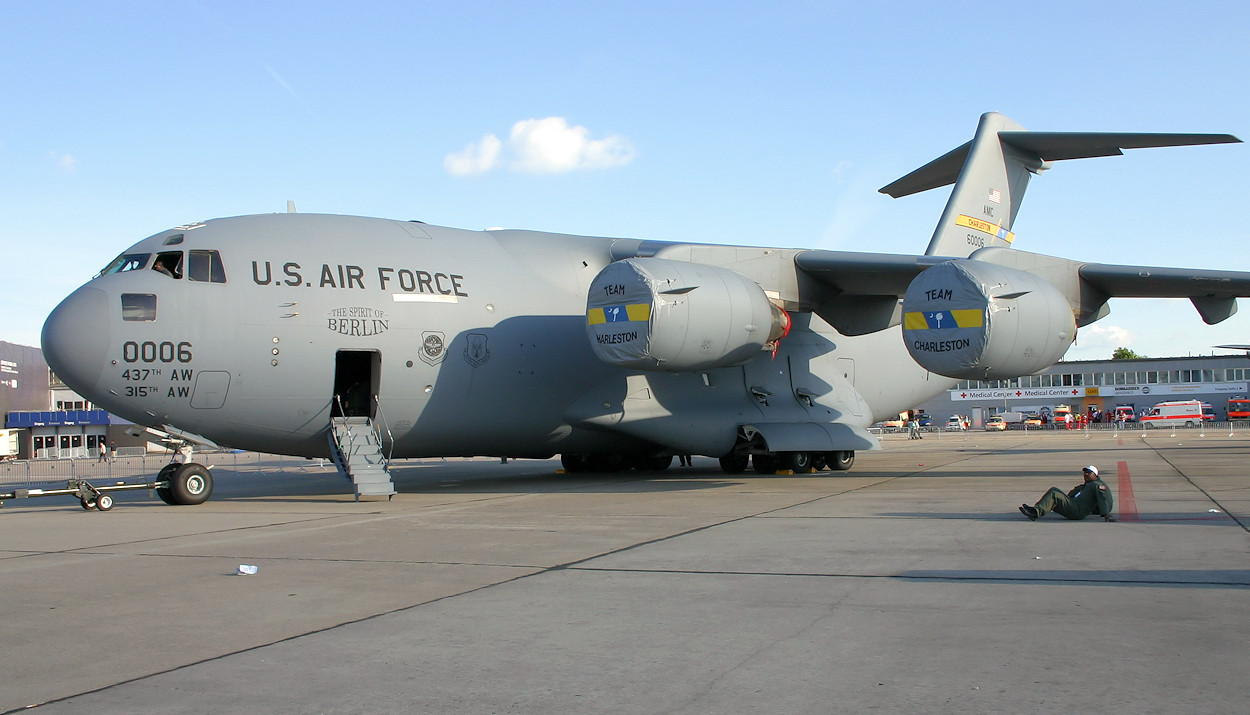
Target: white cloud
<point>1097,342</point>
<point>65,161</point>
<point>477,158</point>
<point>541,146</point>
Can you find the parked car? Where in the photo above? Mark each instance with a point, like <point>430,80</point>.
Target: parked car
<point>995,423</point>
<point>1033,420</point>
<point>955,422</point>
<point>891,425</point>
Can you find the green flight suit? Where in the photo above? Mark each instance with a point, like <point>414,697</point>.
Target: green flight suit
<point>1092,497</point>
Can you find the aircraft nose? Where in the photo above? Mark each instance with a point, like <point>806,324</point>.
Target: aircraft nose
<point>76,338</point>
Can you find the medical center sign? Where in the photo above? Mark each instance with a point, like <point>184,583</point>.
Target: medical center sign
<point>1019,393</point>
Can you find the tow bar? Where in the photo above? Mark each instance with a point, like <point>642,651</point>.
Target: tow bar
<point>89,495</point>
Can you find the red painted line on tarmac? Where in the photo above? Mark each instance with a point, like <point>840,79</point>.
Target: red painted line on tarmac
<point>1128,504</point>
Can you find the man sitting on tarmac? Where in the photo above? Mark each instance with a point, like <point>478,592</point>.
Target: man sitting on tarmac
<point>1090,497</point>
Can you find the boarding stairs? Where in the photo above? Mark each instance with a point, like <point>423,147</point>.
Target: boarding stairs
<point>356,446</point>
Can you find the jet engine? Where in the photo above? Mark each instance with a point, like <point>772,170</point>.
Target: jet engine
<point>658,314</point>
<point>973,320</point>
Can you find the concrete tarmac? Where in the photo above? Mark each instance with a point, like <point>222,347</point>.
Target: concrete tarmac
<point>910,583</point>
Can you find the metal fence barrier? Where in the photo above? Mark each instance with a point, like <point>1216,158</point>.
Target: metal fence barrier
<point>146,466</point>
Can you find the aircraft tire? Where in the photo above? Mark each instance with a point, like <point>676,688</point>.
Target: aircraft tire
<point>840,461</point>
<point>166,474</point>
<point>191,484</point>
<point>656,463</point>
<point>104,502</point>
<point>819,462</point>
<point>609,462</point>
<point>735,462</point>
<point>797,462</point>
<point>764,463</point>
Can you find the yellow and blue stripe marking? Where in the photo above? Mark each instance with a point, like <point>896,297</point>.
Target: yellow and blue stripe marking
<point>619,314</point>
<point>944,319</point>
<point>985,227</point>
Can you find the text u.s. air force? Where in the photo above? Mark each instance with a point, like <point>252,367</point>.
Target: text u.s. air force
<point>352,277</point>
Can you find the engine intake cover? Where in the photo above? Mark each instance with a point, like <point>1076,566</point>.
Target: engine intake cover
<point>973,320</point>
<point>657,314</point>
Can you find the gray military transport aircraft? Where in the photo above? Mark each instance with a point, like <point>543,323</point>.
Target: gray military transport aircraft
<point>364,339</point>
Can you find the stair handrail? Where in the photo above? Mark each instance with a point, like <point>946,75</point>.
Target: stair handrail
<point>390,450</point>
<point>345,455</point>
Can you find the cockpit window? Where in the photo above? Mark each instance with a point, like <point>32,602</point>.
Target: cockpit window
<point>173,240</point>
<point>126,262</point>
<point>138,306</point>
<point>169,263</point>
<point>205,266</point>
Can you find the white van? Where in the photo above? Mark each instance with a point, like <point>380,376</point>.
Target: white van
<point>1186,413</point>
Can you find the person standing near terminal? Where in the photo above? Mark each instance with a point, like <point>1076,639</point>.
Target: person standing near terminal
<point>1090,497</point>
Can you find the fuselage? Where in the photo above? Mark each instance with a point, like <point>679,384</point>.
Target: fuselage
<point>254,331</point>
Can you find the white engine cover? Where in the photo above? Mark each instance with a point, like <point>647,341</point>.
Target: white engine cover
<point>657,314</point>
<point>973,320</point>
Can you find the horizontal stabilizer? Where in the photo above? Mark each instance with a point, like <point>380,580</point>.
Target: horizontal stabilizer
<point>1045,146</point>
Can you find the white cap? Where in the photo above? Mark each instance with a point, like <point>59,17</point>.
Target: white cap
<point>1091,468</point>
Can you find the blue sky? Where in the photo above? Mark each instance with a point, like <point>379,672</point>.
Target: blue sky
<point>725,122</point>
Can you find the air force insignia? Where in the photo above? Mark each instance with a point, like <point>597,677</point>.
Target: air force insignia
<point>476,353</point>
<point>433,347</point>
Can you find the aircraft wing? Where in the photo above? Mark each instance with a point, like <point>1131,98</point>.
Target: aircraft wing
<point>861,290</point>
<point>1162,282</point>
<point>865,274</point>
<point>1214,293</point>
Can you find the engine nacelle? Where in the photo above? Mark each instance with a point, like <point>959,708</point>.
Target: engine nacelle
<point>975,321</point>
<point>657,314</point>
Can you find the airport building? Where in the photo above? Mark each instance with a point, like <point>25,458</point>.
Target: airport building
<point>45,418</point>
<point>1099,387</point>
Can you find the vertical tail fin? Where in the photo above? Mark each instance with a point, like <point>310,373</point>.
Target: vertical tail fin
<point>992,171</point>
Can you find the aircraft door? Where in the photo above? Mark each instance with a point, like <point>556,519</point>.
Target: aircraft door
<point>357,375</point>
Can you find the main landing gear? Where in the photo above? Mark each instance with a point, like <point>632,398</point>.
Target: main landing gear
<point>797,462</point>
<point>185,484</point>
<point>752,451</point>
<point>743,455</point>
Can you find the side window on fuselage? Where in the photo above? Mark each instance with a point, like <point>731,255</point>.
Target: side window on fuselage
<point>138,307</point>
<point>205,267</point>
<point>169,263</point>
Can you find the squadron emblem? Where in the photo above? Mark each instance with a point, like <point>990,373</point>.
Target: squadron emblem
<point>433,347</point>
<point>477,352</point>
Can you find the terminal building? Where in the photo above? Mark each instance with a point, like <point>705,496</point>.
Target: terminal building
<point>1098,387</point>
<point>43,418</point>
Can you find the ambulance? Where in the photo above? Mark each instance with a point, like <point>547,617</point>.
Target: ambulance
<point>1183,413</point>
